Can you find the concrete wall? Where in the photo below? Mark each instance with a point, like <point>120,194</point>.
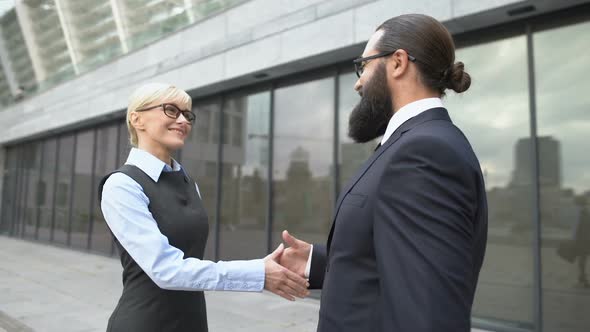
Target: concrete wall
<point>277,37</point>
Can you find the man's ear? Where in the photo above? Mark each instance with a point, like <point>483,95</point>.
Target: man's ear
<point>399,63</point>
<point>136,121</point>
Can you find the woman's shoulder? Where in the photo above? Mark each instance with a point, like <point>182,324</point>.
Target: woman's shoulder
<point>120,183</point>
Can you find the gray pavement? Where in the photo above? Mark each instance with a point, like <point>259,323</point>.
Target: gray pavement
<point>45,288</point>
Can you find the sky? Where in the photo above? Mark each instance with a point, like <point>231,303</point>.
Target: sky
<point>5,5</point>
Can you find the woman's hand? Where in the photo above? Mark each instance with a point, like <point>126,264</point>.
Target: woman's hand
<point>282,281</point>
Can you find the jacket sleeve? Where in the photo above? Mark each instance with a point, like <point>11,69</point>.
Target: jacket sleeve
<point>423,236</point>
<point>318,266</point>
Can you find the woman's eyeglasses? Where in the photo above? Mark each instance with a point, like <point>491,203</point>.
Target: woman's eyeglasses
<point>172,111</point>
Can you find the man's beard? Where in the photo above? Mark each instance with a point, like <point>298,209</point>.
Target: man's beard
<point>369,118</point>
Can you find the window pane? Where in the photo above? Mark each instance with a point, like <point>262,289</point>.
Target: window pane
<point>106,162</point>
<point>199,158</point>
<point>303,182</point>
<point>124,144</point>
<point>564,132</point>
<point>8,190</point>
<point>19,194</point>
<point>46,188</point>
<point>351,154</point>
<point>62,195</point>
<point>494,115</point>
<point>245,181</point>
<point>32,166</point>
<point>83,188</point>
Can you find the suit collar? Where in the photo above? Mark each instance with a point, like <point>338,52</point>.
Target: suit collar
<point>438,113</point>
<point>428,115</point>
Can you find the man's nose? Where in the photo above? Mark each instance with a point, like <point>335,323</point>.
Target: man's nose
<point>358,85</point>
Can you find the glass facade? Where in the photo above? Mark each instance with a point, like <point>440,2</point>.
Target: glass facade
<point>273,156</point>
<point>303,190</point>
<point>564,176</point>
<point>244,196</point>
<point>83,187</point>
<point>496,118</point>
<point>200,157</point>
<point>49,41</point>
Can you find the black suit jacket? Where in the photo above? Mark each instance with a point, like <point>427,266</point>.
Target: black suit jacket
<point>408,237</point>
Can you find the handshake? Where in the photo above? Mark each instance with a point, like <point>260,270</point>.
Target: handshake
<point>284,269</point>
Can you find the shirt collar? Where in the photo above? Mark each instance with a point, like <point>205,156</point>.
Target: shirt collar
<point>150,164</point>
<point>407,112</point>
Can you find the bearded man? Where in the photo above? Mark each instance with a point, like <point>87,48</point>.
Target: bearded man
<point>410,228</point>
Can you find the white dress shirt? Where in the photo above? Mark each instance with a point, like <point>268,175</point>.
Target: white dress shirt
<point>407,112</point>
<point>125,208</point>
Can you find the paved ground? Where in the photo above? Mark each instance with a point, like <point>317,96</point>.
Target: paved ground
<point>46,288</point>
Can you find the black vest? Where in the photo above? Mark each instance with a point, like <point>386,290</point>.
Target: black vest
<point>179,213</point>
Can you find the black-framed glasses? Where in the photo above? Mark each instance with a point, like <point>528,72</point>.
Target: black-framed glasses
<point>172,111</point>
<point>360,63</point>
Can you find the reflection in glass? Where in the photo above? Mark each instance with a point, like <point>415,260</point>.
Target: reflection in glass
<point>124,144</point>
<point>8,190</point>
<point>303,181</point>
<point>352,155</point>
<point>93,36</point>
<point>494,115</point>
<point>17,229</point>
<point>563,128</point>
<point>106,162</point>
<point>32,167</point>
<point>199,158</point>
<point>63,190</point>
<point>82,189</point>
<point>46,189</point>
<point>245,177</point>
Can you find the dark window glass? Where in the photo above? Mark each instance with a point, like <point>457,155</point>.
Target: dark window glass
<point>47,188</point>
<point>303,182</point>
<point>63,189</point>
<point>21,187</point>
<point>494,115</point>
<point>32,167</point>
<point>106,162</point>
<point>245,177</point>
<point>8,190</point>
<point>199,158</point>
<point>564,175</point>
<point>124,144</point>
<point>83,189</point>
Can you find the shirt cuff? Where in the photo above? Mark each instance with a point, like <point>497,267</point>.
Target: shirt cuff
<point>308,265</point>
<point>242,276</point>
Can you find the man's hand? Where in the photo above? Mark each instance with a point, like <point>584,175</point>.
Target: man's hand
<point>296,255</point>
<point>280,280</point>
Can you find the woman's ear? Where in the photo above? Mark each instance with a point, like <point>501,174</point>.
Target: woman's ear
<point>136,121</point>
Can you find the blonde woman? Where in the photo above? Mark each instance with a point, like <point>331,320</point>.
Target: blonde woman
<point>154,210</point>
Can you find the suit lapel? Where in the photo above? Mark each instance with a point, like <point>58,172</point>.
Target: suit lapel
<point>438,113</point>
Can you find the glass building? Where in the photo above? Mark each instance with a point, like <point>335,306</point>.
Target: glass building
<point>272,89</point>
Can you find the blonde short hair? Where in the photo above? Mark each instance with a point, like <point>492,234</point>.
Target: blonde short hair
<point>149,93</point>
